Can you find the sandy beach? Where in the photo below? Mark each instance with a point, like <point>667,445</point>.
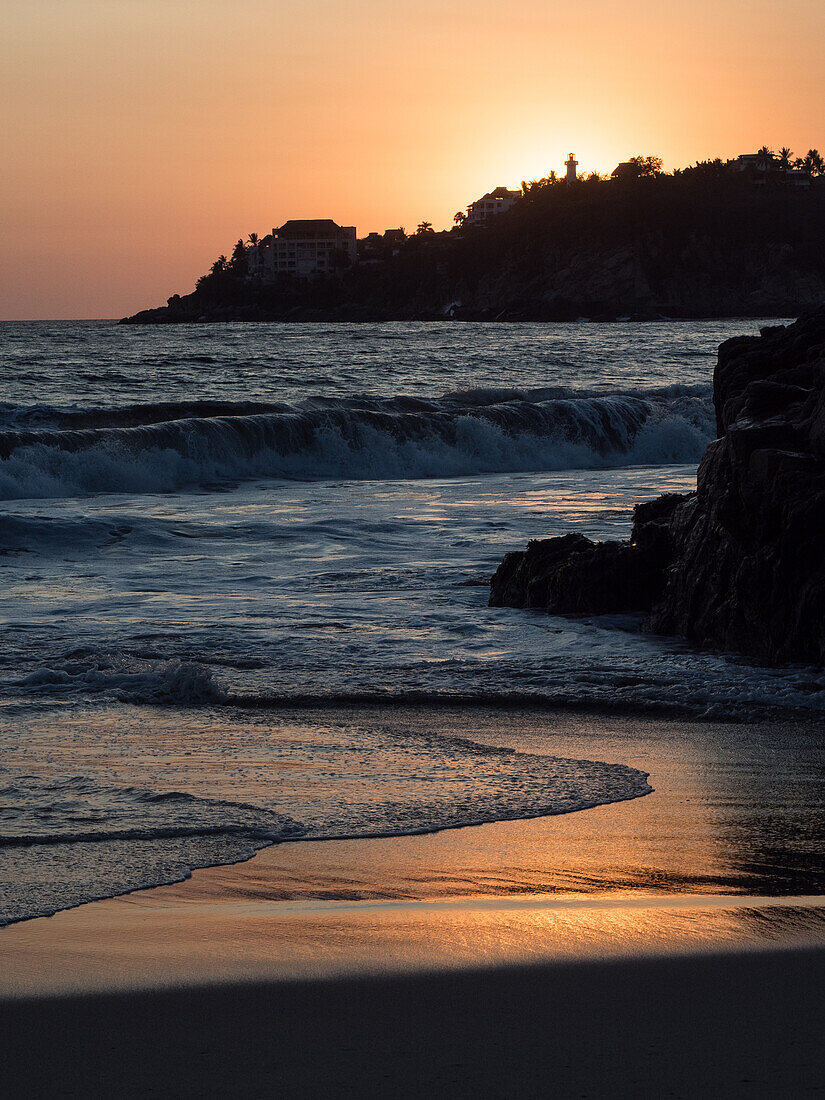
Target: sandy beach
<point>646,948</point>
<point>714,1026</point>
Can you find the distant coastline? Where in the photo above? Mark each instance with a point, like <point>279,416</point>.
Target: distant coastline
<point>704,243</point>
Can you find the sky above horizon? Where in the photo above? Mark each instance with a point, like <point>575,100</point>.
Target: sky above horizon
<point>143,137</point>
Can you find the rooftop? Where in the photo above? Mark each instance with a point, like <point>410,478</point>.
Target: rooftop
<point>310,226</point>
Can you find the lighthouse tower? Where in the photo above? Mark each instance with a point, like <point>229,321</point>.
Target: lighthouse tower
<point>571,164</point>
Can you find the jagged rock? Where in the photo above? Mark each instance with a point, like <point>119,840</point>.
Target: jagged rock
<point>573,574</point>
<point>749,571</point>
<point>740,564</point>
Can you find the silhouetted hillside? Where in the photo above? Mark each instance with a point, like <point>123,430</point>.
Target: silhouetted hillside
<point>702,243</point>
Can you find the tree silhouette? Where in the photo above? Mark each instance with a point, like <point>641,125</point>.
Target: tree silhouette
<point>220,265</point>
<point>814,163</point>
<point>424,228</point>
<point>638,168</point>
<point>253,239</point>
<point>459,218</point>
<point>239,263</point>
<point>712,170</point>
<point>785,155</point>
<point>647,167</point>
<point>529,188</point>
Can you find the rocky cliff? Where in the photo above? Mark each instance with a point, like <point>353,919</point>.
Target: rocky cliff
<point>739,565</point>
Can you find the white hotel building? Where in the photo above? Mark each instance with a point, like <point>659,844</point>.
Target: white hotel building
<point>303,248</point>
<point>490,205</point>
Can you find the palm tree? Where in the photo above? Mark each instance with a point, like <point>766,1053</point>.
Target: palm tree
<point>459,218</point>
<point>424,227</point>
<point>252,239</point>
<point>766,158</point>
<point>785,155</point>
<point>814,162</point>
<point>239,264</point>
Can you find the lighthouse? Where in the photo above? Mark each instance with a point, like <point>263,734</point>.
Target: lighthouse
<point>571,164</point>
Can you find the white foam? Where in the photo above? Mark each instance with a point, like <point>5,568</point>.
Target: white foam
<point>157,682</point>
<point>125,838</point>
<point>486,433</point>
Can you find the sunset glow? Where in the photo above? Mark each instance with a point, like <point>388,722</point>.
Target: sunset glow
<point>412,486</point>
<point>143,137</point>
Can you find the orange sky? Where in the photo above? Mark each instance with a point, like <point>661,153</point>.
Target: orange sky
<point>141,138</point>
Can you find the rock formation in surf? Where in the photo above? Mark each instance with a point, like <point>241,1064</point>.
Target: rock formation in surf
<point>739,564</point>
<point>572,574</point>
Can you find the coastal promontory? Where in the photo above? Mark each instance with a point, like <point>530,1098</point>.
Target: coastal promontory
<point>708,241</point>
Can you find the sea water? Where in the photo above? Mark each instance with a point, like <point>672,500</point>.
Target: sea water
<point>205,528</point>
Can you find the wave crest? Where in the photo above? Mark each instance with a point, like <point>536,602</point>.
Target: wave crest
<point>461,434</point>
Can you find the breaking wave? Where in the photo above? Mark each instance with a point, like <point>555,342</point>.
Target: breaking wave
<point>154,448</point>
<point>182,682</point>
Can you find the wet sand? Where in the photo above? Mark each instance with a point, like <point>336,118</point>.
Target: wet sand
<point>627,950</point>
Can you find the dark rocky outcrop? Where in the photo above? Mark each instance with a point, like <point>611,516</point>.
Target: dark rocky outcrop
<point>573,574</point>
<point>740,564</point>
<point>749,571</point>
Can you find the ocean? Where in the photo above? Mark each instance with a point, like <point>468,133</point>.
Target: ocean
<point>212,534</point>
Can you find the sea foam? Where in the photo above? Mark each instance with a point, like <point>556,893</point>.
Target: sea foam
<point>462,434</point>
<point>65,841</point>
<point>155,682</point>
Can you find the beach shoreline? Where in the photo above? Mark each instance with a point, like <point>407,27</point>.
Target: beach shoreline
<point>637,948</point>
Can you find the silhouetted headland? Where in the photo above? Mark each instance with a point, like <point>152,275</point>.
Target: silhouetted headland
<point>737,565</point>
<point>720,239</point>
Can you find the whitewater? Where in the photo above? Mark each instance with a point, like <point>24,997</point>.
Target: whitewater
<point>213,536</point>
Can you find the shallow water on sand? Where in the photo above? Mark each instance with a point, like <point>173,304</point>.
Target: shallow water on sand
<point>727,854</point>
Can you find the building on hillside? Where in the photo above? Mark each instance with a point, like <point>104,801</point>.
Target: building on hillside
<point>376,247</point>
<point>761,168</point>
<point>313,247</point>
<point>371,249</point>
<point>303,248</point>
<point>491,205</point>
<point>394,238</point>
<point>751,162</point>
<point>627,170</point>
<point>796,177</point>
